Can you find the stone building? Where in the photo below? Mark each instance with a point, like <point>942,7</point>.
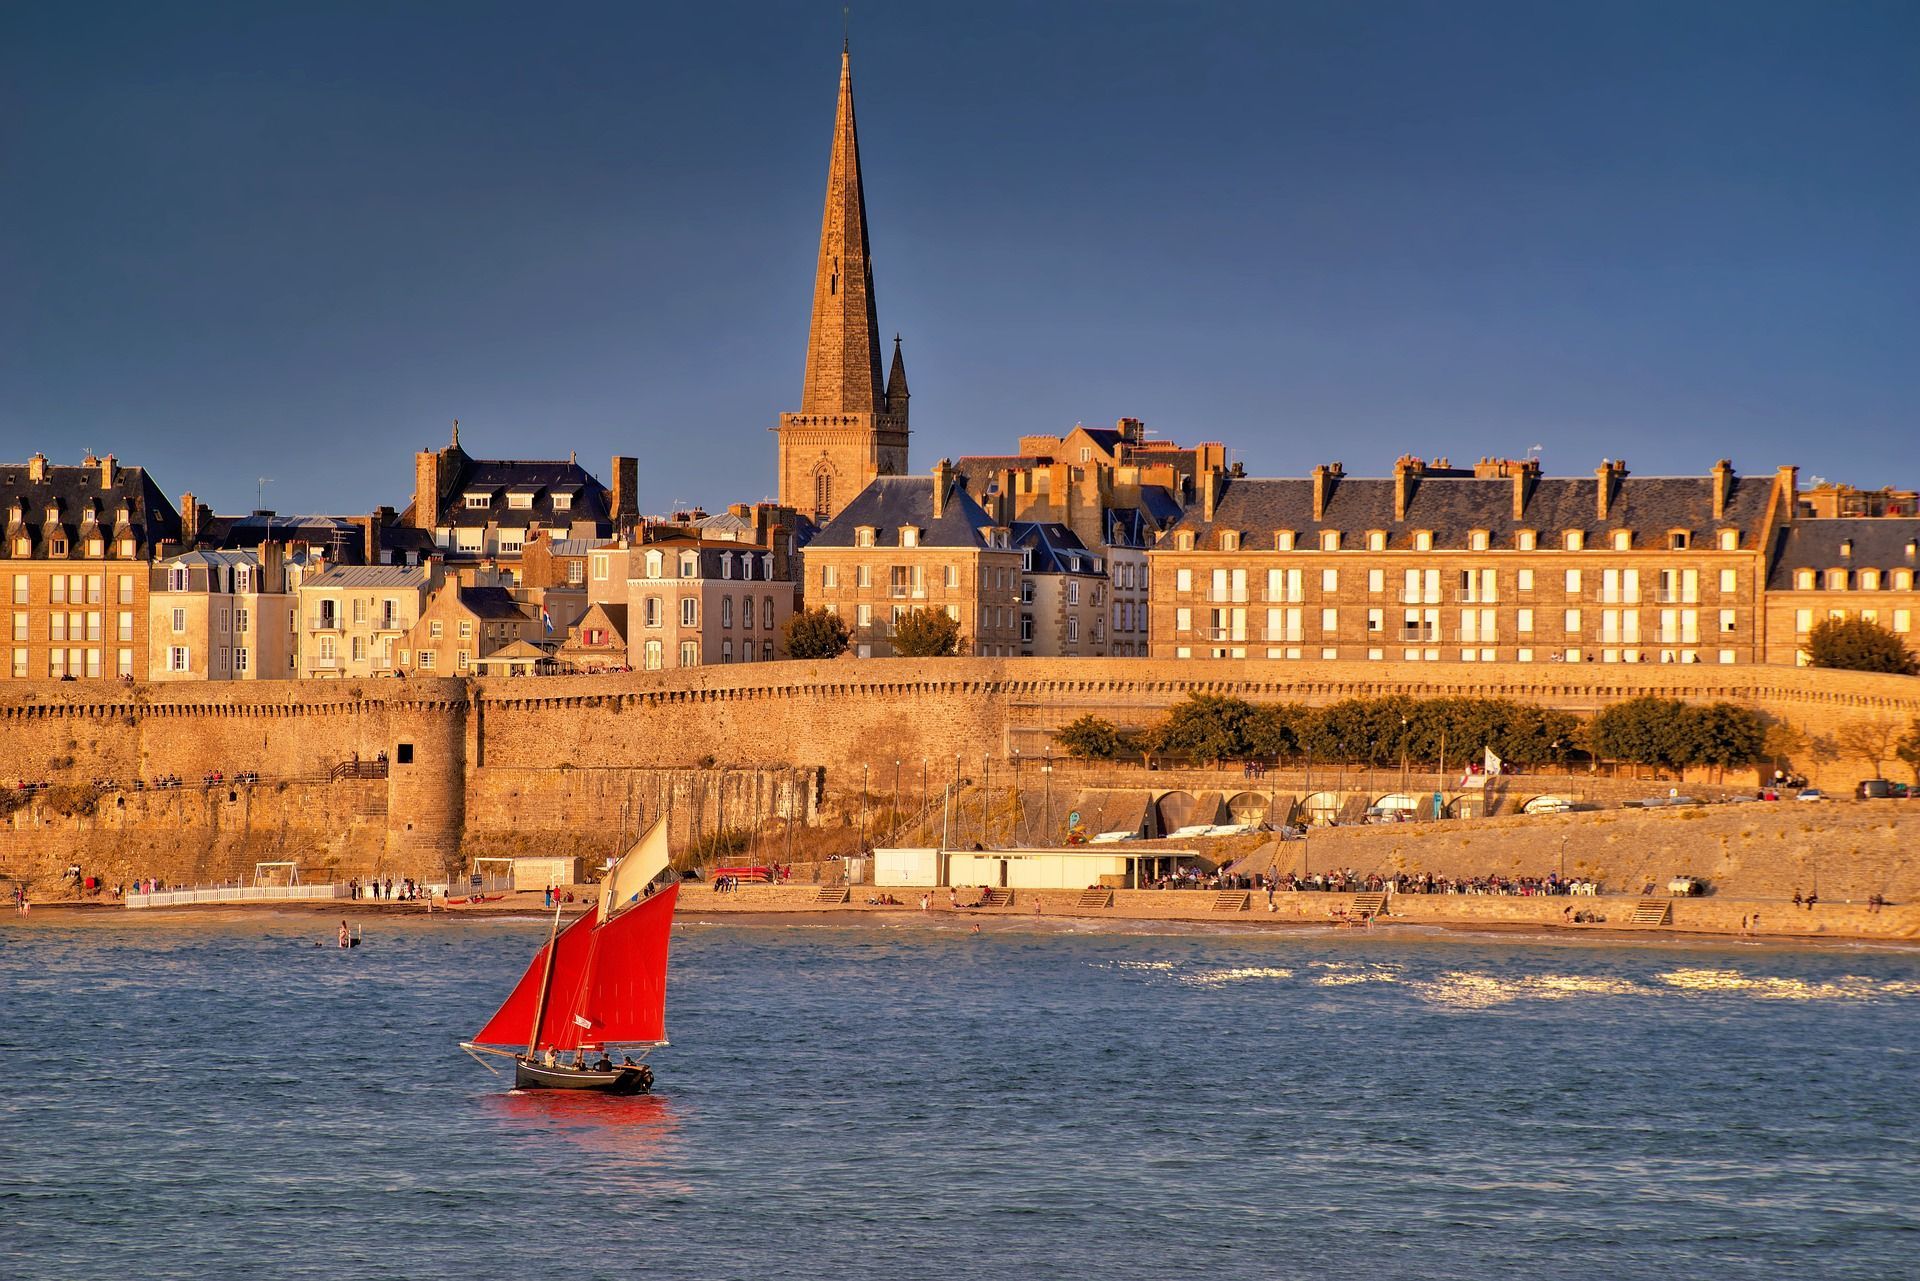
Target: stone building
<point>598,642</point>
<point>221,616</point>
<point>461,625</point>
<point>916,542</point>
<point>1063,593</point>
<point>352,617</point>
<point>1491,563</point>
<point>75,557</point>
<point>689,601</point>
<point>851,427</point>
<point>1842,567</point>
<point>480,513</point>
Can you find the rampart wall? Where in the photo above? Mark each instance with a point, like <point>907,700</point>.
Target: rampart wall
<point>566,763</point>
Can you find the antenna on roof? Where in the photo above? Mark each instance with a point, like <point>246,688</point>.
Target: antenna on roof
<point>260,484</point>
<point>1533,450</point>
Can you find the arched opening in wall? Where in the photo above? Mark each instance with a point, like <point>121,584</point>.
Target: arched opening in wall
<point>1320,808</point>
<point>1396,807</point>
<point>822,494</point>
<point>1246,809</point>
<point>1175,810</point>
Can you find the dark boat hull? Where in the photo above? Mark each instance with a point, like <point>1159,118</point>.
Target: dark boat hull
<point>620,1080</point>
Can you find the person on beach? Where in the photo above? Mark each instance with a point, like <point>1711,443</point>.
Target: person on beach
<point>346,938</point>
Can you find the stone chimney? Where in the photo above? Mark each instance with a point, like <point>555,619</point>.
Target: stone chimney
<point>942,482</point>
<point>1606,476</point>
<point>1406,477</point>
<point>426,487</point>
<point>1325,477</point>
<point>272,567</point>
<point>37,469</point>
<point>189,521</point>
<point>1722,487</point>
<point>1212,485</point>
<point>1525,476</point>
<point>626,489</point>
<point>108,471</point>
<point>1132,430</point>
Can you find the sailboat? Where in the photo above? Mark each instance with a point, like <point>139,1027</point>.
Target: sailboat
<point>597,985</point>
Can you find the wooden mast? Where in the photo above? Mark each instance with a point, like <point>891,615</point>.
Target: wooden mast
<point>546,982</point>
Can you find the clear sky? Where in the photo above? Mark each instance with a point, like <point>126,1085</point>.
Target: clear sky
<point>293,241</point>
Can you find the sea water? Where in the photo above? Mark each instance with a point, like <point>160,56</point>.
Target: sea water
<point>217,1097</point>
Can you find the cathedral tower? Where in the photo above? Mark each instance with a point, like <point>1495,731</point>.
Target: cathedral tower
<point>851,427</point>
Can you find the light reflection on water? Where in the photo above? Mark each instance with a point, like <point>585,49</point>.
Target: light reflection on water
<point>216,1097</point>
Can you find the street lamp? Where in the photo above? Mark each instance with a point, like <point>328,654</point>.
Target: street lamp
<point>1046,774</point>
<point>1563,857</point>
<point>866,803</point>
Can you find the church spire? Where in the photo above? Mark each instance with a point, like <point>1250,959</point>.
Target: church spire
<point>843,346</point>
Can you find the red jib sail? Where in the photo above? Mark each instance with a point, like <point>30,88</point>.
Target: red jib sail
<point>609,983</point>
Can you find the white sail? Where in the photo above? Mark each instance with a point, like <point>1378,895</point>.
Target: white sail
<point>628,877</point>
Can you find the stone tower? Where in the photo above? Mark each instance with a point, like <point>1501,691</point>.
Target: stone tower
<point>851,427</point>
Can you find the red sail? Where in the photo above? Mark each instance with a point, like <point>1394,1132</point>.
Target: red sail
<point>513,1021</point>
<point>624,998</point>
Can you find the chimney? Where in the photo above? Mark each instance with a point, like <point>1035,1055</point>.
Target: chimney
<point>1132,430</point>
<point>1606,476</point>
<point>370,553</point>
<point>426,485</point>
<point>626,487</point>
<point>942,481</point>
<point>1325,477</point>
<point>1787,480</point>
<point>189,521</point>
<point>272,570</point>
<point>37,469</point>
<point>108,470</point>
<point>1524,476</point>
<point>1406,475</point>
<point>1212,484</point>
<point>1722,487</point>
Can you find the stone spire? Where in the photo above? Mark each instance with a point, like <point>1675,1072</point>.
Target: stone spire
<point>843,346</point>
<point>897,394</point>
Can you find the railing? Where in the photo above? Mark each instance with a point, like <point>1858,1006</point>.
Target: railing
<point>357,769</point>
<point>326,623</point>
<point>235,894</point>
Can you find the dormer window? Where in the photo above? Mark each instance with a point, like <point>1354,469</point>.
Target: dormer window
<point>562,502</point>
<point>1622,540</point>
<point>1026,559</point>
<point>1376,540</point>
<point>96,546</point>
<point>1836,580</point>
<point>479,502</point>
<point>127,548</point>
<point>689,565</point>
<point>1846,547</point>
<point>1575,540</point>
<point>520,502</point>
<point>1477,540</point>
<point>863,536</point>
<point>23,546</point>
<point>909,536</point>
<point>1423,540</point>
<point>1229,540</point>
<point>1183,541</point>
<point>1525,540</point>
<point>57,545</point>
<point>1729,540</point>
<point>766,566</point>
<point>1869,580</point>
<point>1283,540</point>
<point>726,565</point>
<point>655,564</point>
<point>1329,540</point>
<point>1678,540</point>
<point>1803,580</point>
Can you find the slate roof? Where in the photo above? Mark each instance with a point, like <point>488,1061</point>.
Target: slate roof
<point>892,501</point>
<point>77,491</point>
<point>1056,549</point>
<point>353,576</point>
<point>1453,506</point>
<point>1879,542</point>
<point>493,602</point>
<point>501,477</point>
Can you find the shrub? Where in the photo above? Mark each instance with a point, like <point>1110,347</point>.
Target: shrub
<point>1856,645</point>
<point>815,633</point>
<point>926,633</point>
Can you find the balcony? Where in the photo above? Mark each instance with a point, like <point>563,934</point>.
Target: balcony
<point>326,623</point>
<point>326,664</point>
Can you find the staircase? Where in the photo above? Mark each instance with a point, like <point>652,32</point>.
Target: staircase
<point>832,896</point>
<point>1368,905</point>
<point>1652,911</point>
<point>1232,901</point>
<point>1093,898</point>
<point>997,898</point>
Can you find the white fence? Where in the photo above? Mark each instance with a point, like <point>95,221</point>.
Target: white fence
<point>236,894</point>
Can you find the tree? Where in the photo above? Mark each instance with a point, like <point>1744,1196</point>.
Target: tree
<point>1640,731</point>
<point>1092,738</point>
<point>1908,749</point>
<point>1719,734</point>
<point>1856,645</point>
<point>1873,741</point>
<point>1209,727</point>
<point>926,633</point>
<point>815,633</point>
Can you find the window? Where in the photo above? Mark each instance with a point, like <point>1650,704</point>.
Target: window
<point>1525,540</point>
<point>19,626</point>
<point>461,659</point>
<point>829,575</point>
<point>466,629</point>
<point>689,566</point>
<point>478,502</point>
<point>1678,540</point>
<point>1376,540</point>
<point>1477,540</point>
<point>1573,582</point>
<point>766,610</point>
<point>58,587</point>
<point>1376,621</point>
<point>124,665</point>
<point>429,658</point>
<point>1329,581</point>
<point>179,621</point>
<point>1229,541</point>
<point>436,629</point>
<point>1802,621</point>
<point>1073,591</point>
<point>950,577</point>
<point>863,575</point>
<point>1329,620</point>
<point>1622,540</point>
<point>1376,581</point>
<point>93,589</point>
<point>1523,580</point>
<point>1423,540</point>
<point>359,649</point>
<point>1573,622</point>
<point>689,653</point>
<point>360,609</point>
<point>520,501</point>
<point>1523,620</point>
<point>19,589</point>
<point>1182,580</point>
<point>1329,540</point>
<point>909,536</point>
<point>652,658</point>
<point>863,536</point>
<point>1729,540</point>
<point>1575,541</point>
<point>689,613</point>
<point>1802,581</point>
<point>726,612</point>
<point>178,659</point>
<point>1283,540</point>
<point>600,566</point>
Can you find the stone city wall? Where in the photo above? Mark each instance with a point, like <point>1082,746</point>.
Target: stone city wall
<point>475,763</point>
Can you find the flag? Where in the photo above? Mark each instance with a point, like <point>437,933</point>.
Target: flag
<point>546,620</point>
<point>582,1021</point>
<point>1494,763</point>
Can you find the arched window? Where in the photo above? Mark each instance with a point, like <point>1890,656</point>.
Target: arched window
<point>822,495</point>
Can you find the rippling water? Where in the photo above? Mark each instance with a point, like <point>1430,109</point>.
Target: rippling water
<point>214,1098</point>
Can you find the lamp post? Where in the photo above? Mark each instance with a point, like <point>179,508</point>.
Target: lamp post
<point>866,803</point>
<point>986,799</point>
<point>1046,773</point>
<point>896,792</point>
<point>1563,857</point>
<point>1404,727</point>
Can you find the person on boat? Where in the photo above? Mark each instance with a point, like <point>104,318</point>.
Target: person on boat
<point>346,939</point>
<point>603,1063</point>
<point>580,1060</point>
<point>546,1059</point>
<point>626,1060</point>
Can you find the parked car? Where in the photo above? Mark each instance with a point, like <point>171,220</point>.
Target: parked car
<point>1687,887</point>
<point>1811,794</point>
<point>1873,789</point>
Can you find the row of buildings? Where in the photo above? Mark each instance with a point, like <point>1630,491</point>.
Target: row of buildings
<point>1097,542</point>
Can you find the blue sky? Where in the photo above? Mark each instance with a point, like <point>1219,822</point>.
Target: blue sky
<point>294,241</point>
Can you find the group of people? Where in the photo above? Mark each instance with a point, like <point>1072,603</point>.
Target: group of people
<point>1349,881</point>
<point>377,888</point>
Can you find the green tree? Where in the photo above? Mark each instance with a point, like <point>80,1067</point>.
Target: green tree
<point>815,633</point>
<point>1870,739</point>
<point>1720,735</point>
<point>1209,727</point>
<point>1640,731</point>
<point>1908,749</point>
<point>1092,738</point>
<point>926,633</point>
<point>1856,645</point>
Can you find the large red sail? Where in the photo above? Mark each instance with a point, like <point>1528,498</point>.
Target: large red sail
<point>624,996</point>
<point>513,1021</point>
